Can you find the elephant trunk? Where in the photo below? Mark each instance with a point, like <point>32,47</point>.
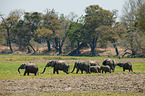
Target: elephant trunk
<point>19,70</point>
<point>43,70</point>
<point>73,69</point>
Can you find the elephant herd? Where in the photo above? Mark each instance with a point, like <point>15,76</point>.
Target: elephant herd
<point>89,67</point>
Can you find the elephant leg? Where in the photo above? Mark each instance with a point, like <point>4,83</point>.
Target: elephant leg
<point>54,70</point>
<point>35,74</point>
<point>57,71</point>
<point>123,69</point>
<point>113,70</point>
<point>66,71</point>
<point>97,70</point>
<point>102,71</point>
<point>105,71</point>
<point>109,71</point>
<point>131,69</point>
<point>77,71</point>
<point>25,72</point>
<point>88,72</point>
<point>81,71</point>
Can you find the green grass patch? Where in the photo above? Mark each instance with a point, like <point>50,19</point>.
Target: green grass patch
<point>10,63</point>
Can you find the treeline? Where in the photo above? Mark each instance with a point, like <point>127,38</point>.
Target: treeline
<point>98,27</point>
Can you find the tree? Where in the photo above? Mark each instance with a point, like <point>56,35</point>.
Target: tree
<point>74,34</point>
<point>44,34</point>
<point>130,10</point>
<point>32,22</point>
<point>62,33</point>
<point>134,42</point>
<point>133,21</point>
<point>141,17</point>
<point>52,22</point>
<point>22,36</point>
<point>110,34</point>
<point>94,18</point>
<point>9,22</point>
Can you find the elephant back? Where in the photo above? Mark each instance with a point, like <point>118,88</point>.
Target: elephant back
<point>109,62</point>
<point>105,67</point>
<point>127,65</point>
<point>94,63</point>
<point>61,62</point>
<point>32,65</point>
<point>84,63</point>
<point>120,64</point>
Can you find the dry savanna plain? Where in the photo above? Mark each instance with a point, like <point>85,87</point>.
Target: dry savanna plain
<point>117,83</point>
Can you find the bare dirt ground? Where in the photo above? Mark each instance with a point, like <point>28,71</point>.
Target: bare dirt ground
<point>122,83</point>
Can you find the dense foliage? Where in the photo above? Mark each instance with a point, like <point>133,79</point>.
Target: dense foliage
<point>97,28</point>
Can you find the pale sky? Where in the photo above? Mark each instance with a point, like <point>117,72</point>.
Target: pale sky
<point>60,6</point>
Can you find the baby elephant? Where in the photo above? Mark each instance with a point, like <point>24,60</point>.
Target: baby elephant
<point>125,66</point>
<point>29,68</point>
<point>106,68</point>
<point>95,69</point>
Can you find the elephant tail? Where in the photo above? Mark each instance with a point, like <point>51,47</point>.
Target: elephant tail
<point>43,70</point>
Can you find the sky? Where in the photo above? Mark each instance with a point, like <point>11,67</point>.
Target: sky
<point>60,6</point>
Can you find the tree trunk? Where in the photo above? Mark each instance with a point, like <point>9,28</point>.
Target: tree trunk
<point>9,41</point>
<point>29,51</point>
<point>32,48</point>
<point>93,46</point>
<point>60,49</point>
<point>93,50</point>
<point>56,44</point>
<point>116,49</point>
<point>78,48</point>
<point>48,45</point>
<point>133,53</point>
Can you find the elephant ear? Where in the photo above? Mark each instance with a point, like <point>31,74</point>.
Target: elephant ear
<point>53,63</point>
<point>77,63</point>
<point>23,65</point>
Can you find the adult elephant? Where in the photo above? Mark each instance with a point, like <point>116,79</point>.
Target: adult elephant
<point>29,68</point>
<point>83,66</point>
<point>125,66</point>
<point>111,63</point>
<point>57,65</point>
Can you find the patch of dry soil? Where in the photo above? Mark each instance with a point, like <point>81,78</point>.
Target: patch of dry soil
<point>130,83</point>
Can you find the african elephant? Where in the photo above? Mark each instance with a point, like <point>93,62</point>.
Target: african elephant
<point>57,65</point>
<point>110,62</point>
<point>94,63</point>
<point>83,66</point>
<point>120,64</point>
<point>29,68</point>
<point>95,69</point>
<point>105,68</point>
<point>126,65</point>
